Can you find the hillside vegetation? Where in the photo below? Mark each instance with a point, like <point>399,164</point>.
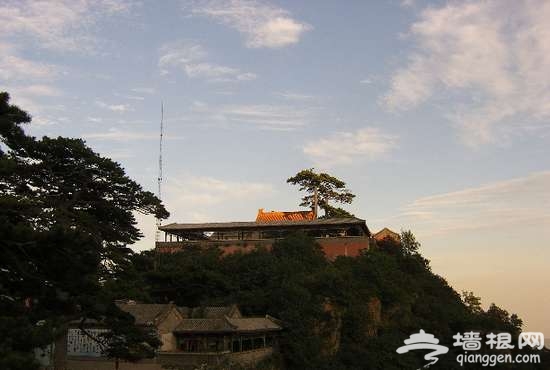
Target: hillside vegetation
<point>352,313</point>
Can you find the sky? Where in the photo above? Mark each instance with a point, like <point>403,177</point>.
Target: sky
<point>436,114</point>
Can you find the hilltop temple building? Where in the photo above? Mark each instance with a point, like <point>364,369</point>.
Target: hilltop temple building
<point>337,236</point>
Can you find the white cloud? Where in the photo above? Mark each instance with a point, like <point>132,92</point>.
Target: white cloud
<point>95,119</point>
<point>27,82</point>
<point>289,95</point>
<point>119,154</point>
<point>407,3</point>
<point>191,58</point>
<point>510,203</point>
<point>266,117</point>
<point>255,116</point>
<point>115,134</point>
<point>45,120</point>
<point>40,90</point>
<point>197,191</point>
<point>56,24</point>
<point>343,148</point>
<point>28,93</point>
<point>366,81</point>
<point>144,90</point>
<point>15,68</point>
<point>120,108</point>
<point>491,57</point>
<point>30,97</point>
<point>263,24</point>
<point>129,97</point>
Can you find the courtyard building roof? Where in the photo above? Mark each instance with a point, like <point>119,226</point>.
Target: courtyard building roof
<point>209,319</point>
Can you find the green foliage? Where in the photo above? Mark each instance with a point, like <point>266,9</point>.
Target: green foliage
<point>472,302</point>
<point>66,216</point>
<point>127,341</point>
<point>327,187</point>
<point>409,244</point>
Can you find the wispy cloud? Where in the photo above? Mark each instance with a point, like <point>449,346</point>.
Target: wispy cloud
<point>254,116</point>
<point>40,90</point>
<point>144,90</point>
<point>129,96</point>
<point>496,53</point>
<point>199,191</point>
<point>191,58</point>
<point>30,92</point>
<point>115,134</point>
<point>52,27</point>
<point>509,203</point>
<point>120,108</point>
<point>266,116</point>
<point>289,95</point>
<point>263,25</point>
<point>343,148</point>
<point>407,3</point>
<point>94,119</point>
<point>29,98</point>
<point>57,24</point>
<point>15,68</point>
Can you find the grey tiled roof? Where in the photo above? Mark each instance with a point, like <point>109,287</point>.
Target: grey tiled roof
<point>211,312</point>
<point>204,325</point>
<point>200,319</point>
<point>253,324</point>
<point>213,226</point>
<point>144,314</point>
<point>234,325</point>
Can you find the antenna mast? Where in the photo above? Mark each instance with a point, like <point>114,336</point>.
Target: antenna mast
<point>159,179</point>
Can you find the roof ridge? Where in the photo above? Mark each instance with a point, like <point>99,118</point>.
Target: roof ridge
<point>227,320</point>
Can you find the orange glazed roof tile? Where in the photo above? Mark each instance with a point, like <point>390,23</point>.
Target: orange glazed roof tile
<point>284,216</point>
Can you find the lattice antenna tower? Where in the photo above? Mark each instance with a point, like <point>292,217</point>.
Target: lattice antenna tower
<point>159,178</point>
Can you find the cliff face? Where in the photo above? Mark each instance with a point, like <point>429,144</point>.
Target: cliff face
<point>374,317</point>
<point>330,329</point>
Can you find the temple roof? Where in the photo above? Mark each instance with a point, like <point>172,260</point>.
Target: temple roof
<point>284,216</point>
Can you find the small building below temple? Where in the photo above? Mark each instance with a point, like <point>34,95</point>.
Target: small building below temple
<point>190,338</point>
<point>387,233</point>
<point>336,236</point>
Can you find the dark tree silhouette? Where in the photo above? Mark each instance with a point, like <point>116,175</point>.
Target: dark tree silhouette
<point>66,217</point>
<point>321,189</point>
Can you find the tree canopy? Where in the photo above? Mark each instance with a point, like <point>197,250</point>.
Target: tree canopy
<point>66,218</point>
<point>321,189</point>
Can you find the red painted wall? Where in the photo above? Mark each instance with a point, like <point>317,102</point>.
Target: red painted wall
<point>333,247</point>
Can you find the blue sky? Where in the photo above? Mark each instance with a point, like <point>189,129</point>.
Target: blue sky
<point>435,113</point>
